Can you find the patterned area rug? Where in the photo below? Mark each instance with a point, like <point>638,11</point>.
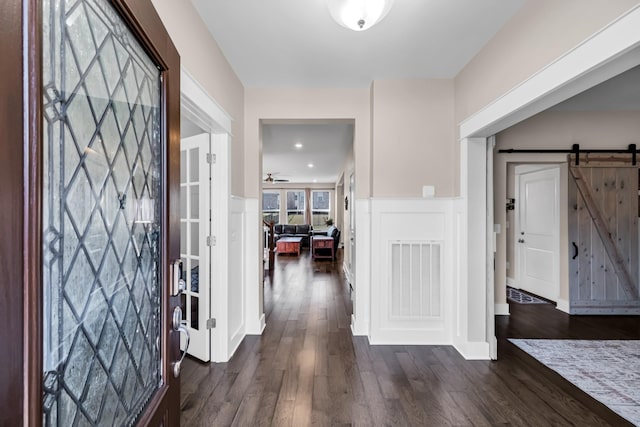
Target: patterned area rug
<point>609,371</point>
<point>523,298</point>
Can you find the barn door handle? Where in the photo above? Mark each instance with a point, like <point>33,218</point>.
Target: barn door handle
<point>575,250</point>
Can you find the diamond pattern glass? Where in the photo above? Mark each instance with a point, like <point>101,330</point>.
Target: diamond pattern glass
<point>101,217</point>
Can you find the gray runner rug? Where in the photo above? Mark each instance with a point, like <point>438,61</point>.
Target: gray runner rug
<point>609,371</point>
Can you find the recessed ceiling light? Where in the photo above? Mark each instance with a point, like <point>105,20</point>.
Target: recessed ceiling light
<point>298,145</point>
<point>310,165</point>
<point>315,180</point>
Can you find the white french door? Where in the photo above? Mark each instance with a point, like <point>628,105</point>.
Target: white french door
<point>195,232</point>
<point>538,230</point>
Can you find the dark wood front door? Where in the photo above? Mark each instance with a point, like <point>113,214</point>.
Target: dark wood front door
<point>89,114</point>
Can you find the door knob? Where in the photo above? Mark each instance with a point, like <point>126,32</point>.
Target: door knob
<point>180,328</point>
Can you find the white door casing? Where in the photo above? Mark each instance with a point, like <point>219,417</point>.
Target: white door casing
<point>195,228</point>
<point>537,229</point>
<point>491,250</point>
<point>607,53</point>
<point>203,111</point>
<point>352,226</point>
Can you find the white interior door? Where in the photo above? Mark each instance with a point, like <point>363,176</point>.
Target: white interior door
<point>538,229</point>
<point>195,227</point>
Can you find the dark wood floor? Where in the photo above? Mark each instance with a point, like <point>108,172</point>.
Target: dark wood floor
<point>307,368</point>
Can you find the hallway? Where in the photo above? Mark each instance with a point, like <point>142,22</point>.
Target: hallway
<point>307,368</point>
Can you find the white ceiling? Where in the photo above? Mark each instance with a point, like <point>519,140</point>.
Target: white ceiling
<point>325,145</point>
<point>294,43</point>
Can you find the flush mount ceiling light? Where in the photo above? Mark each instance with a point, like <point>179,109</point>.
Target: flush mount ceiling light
<point>359,15</point>
<point>298,145</point>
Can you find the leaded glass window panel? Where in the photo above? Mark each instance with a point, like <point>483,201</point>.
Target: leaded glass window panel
<point>101,217</point>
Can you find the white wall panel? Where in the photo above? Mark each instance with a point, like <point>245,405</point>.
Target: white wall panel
<point>412,271</point>
<point>236,284</point>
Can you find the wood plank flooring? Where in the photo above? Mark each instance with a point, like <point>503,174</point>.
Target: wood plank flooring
<point>307,369</point>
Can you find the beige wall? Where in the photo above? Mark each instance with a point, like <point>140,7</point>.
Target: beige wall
<point>306,104</point>
<point>413,137</point>
<point>202,58</point>
<point>538,34</point>
<point>590,129</point>
<point>541,32</point>
<point>551,129</point>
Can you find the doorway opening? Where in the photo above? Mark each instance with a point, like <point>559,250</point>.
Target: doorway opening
<point>534,227</point>
<point>204,226</point>
<point>305,207</point>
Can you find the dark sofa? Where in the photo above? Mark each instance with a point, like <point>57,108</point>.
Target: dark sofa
<point>290,230</point>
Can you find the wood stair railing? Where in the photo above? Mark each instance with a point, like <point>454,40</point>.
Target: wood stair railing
<point>271,244</point>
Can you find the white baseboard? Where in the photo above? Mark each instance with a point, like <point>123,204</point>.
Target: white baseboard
<point>437,335</point>
<point>563,305</point>
<point>359,328</point>
<point>347,273</point>
<point>235,341</point>
<point>258,326</point>
<point>473,350</point>
<point>502,309</point>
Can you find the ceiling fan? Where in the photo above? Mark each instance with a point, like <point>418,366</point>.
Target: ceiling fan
<point>270,178</point>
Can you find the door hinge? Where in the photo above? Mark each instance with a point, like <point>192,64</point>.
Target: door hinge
<point>211,158</point>
<point>211,240</point>
<point>211,323</point>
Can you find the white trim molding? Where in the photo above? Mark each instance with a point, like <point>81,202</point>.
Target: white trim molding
<point>360,320</point>
<point>563,305</point>
<point>200,108</point>
<point>609,52</point>
<point>473,350</point>
<point>502,309</point>
<point>472,331</point>
<point>221,294</point>
<point>253,255</point>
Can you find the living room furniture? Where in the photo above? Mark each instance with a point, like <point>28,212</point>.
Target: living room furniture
<point>322,247</point>
<point>332,233</point>
<point>289,245</point>
<point>293,230</point>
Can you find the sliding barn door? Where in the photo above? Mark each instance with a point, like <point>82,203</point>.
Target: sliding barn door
<point>603,236</point>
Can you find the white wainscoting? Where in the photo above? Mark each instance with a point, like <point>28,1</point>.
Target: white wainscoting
<point>236,285</point>
<point>413,250</point>
<point>361,276</point>
<point>253,254</point>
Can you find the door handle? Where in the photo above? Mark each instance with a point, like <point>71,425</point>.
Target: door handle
<point>575,250</point>
<point>520,240</point>
<point>180,328</point>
